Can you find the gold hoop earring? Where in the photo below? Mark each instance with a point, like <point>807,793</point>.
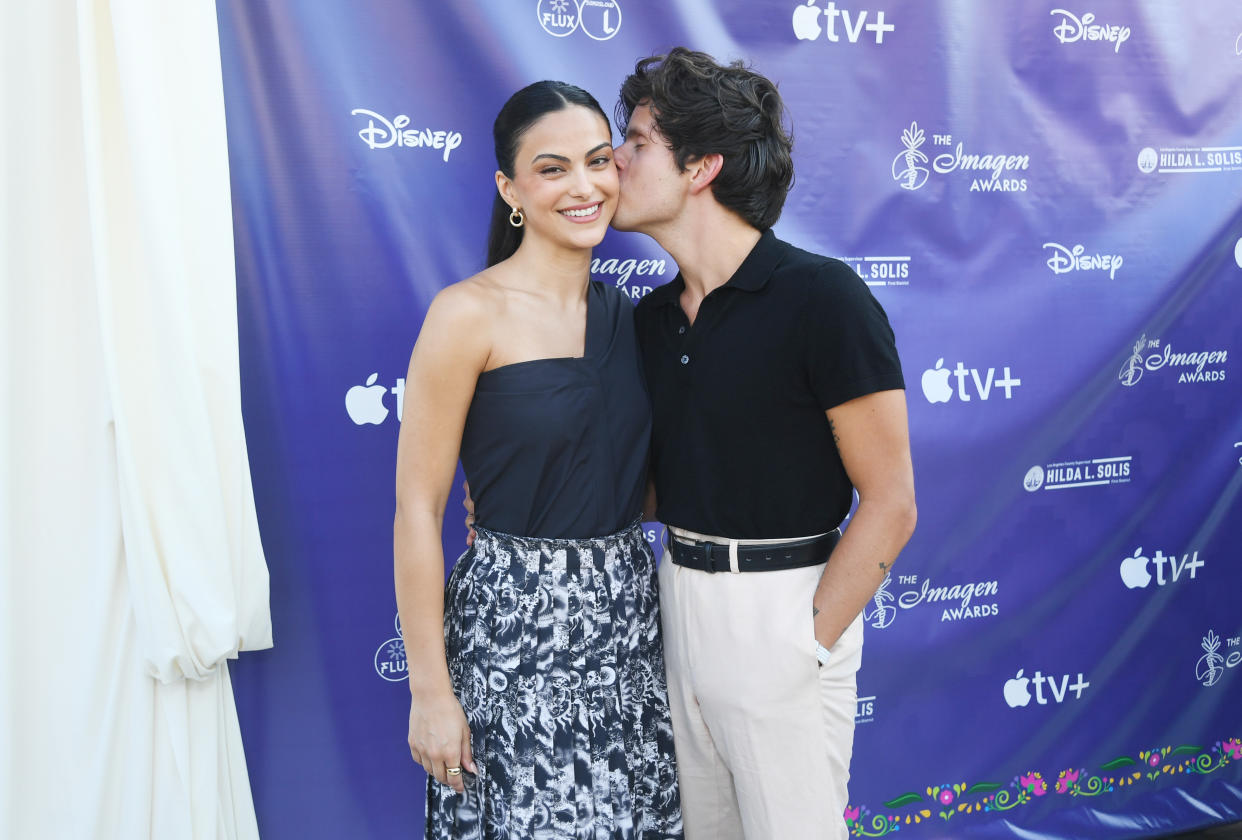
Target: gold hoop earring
<point>516,218</point>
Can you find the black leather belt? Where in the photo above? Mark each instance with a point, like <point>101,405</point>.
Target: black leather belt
<point>714,557</point>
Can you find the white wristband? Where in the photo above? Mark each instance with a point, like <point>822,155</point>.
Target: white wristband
<point>822,653</point>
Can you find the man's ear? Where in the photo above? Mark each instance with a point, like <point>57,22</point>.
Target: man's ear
<point>505,187</point>
<point>704,170</point>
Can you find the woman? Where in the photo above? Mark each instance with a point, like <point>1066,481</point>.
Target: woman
<point>538,703</point>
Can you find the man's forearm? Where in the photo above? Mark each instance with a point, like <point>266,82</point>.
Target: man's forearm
<point>865,554</point>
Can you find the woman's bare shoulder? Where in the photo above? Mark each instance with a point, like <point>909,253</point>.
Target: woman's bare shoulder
<point>473,301</point>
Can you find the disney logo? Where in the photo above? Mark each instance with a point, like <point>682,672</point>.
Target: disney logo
<point>381,133</point>
<point>1064,260</point>
<point>1071,28</point>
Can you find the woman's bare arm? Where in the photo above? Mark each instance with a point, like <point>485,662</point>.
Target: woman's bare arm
<point>452,349</point>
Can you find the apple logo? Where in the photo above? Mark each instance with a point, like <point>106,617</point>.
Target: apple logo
<point>936,383</point>
<point>1016,692</point>
<point>1134,571</point>
<point>806,21</point>
<point>365,403</point>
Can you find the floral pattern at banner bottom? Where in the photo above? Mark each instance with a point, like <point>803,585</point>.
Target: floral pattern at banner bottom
<point>952,800</point>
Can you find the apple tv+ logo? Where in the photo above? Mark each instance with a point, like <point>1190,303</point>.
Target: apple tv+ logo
<point>936,387</point>
<point>807,27</point>
<point>1136,569</point>
<point>365,403</point>
<point>1018,691</point>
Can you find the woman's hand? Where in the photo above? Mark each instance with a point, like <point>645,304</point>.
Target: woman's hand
<point>440,738</point>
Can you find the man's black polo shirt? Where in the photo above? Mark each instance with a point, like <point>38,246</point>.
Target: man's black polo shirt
<point>741,446</point>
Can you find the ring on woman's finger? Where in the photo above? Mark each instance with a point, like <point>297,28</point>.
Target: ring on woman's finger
<point>453,771</point>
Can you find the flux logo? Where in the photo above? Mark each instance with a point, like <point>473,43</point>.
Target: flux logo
<point>936,387</point>
<point>365,403</point>
<point>390,661</point>
<point>599,19</point>
<point>1018,692</point>
<point>1135,573</point>
<point>1213,664</point>
<point>806,24</point>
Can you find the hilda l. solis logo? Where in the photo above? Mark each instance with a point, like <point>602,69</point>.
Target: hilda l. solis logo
<point>881,270</point>
<point>1181,160</point>
<point>1086,472</point>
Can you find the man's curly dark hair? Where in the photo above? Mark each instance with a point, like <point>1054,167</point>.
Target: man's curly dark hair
<point>702,107</point>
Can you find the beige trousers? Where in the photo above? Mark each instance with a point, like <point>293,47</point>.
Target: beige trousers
<point>763,734</point>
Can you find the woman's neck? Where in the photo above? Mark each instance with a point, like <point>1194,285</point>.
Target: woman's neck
<point>558,272</point>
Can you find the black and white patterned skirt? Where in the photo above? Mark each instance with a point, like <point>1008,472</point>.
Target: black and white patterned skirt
<point>554,650</point>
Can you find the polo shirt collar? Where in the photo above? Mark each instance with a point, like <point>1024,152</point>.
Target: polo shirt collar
<point>751,276</point>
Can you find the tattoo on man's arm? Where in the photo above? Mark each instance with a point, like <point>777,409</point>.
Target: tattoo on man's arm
<point>835,437</point>
<point>884,567</point>
<point>814,611</point>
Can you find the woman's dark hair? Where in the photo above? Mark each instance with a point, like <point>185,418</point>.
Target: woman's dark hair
<point>702,107</point>
<point>522,111</point>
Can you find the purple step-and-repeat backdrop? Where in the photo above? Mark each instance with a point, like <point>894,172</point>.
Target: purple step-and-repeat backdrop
<point>1048,202</point>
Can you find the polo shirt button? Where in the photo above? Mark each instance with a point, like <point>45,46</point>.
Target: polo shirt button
<point>685,360</point>
<point>681,330</point>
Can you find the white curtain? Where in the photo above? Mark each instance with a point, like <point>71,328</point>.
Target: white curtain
<point>130,564</point>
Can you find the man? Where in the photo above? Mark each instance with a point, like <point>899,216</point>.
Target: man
<point>777,391</point>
